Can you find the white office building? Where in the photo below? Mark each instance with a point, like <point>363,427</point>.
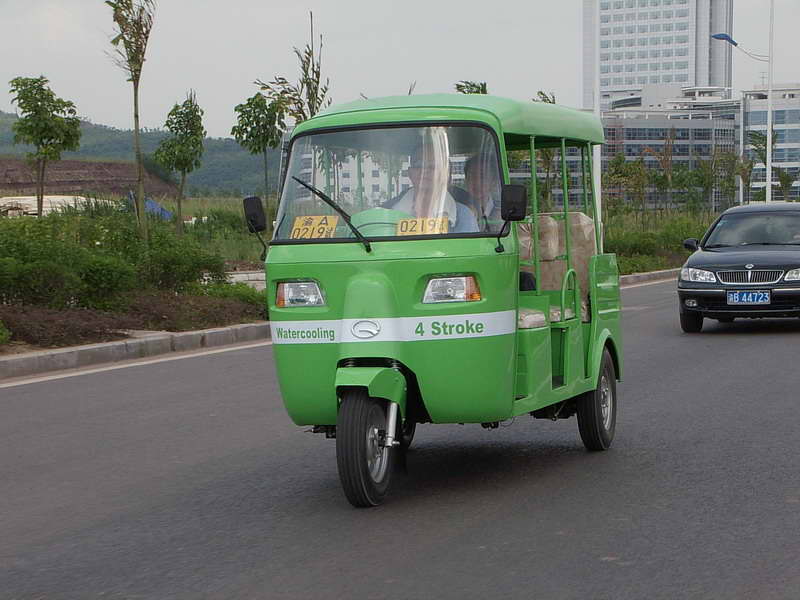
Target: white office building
<point>654,42</point>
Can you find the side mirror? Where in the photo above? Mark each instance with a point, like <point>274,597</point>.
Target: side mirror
<point>513,202</point>
<point>254,214</point>
<point>691,244</point>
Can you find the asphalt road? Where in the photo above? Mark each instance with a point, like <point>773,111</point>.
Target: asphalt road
<point>185,479</point>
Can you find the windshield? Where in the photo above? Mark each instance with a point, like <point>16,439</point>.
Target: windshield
<point>392,181</point>
<point>768,228</point>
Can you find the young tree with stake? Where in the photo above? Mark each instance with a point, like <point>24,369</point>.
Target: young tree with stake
<point>182,150</point>
<point>134,22</point>
<point>259,126</point>
<point>47,122</point>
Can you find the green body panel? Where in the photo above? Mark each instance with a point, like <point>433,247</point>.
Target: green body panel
<point>460,379</point>
<point>381,382</point>
<point>606,313</point>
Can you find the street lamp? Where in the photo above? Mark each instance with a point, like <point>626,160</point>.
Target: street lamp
<point>767,59</point>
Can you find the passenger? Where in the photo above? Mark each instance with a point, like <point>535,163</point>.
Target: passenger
<point>429,197</point>
<point>485,193</point>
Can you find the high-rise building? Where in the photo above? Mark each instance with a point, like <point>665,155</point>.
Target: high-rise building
<point>654,42</point>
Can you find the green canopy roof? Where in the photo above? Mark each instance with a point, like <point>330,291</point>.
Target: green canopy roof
<point>512,117</point>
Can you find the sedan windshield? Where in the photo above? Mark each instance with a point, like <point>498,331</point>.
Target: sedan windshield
<point>754,229</point>
<point>390,182</point>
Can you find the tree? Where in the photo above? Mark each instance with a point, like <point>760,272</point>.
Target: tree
<point>309,95</point>
<point>134,22</point>
<point>548,159</point>
<point>726,172</point>
<point>744,169</point>
<point>471,87</point>
<point>758,141</point>
<point>786,180</point>
<point>664,158</point>
<point>182,150</point>
<point>705,176</point>
<point>259,126</point>
<point>47,122</point>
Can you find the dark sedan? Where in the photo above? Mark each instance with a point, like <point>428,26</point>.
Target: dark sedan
<point>746,265</point>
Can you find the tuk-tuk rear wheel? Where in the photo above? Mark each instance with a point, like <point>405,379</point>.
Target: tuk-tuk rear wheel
<point>597,410</point>
<point>365,465</point>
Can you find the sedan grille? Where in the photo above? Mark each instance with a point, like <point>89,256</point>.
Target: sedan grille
<point>746,277</point>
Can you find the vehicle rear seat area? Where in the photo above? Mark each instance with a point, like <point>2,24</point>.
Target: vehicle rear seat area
<point>552,244</point>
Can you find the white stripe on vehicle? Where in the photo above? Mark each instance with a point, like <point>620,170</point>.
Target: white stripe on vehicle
<point>399,329</point>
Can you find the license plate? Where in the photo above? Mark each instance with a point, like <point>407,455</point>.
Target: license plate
<point>314,227</point>
<point>749,297</point>
<point>422,226</point>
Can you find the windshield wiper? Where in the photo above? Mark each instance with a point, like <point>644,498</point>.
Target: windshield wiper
<point>717,246</point>
<point>325,198</point>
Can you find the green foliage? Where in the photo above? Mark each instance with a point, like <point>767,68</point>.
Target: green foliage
<point>5,334</point>
<point>73,260</point>
<point>309,95</point>
<point>259,126</point>
<point>48,123</point>
<point>183,149</point>
<point>233,291</point>
<point>471,87</point>
<point>134,22</point>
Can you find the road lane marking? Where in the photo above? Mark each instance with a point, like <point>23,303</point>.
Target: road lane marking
<point>127,365</point>
<point>635,285</point>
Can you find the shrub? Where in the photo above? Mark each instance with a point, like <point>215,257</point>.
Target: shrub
<point>237,291</point>
<point>5,334</point>
<point>173,262</point>
<point>47,283</point>
<point>176,312</point>
<point>106,278</point>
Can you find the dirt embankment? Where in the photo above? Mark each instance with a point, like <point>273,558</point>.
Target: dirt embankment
<point>79,177</point>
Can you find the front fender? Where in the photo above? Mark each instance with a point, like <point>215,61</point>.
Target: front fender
<point>381,382</point>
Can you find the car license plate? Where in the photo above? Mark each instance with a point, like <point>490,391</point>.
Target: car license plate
<point>749,297</point>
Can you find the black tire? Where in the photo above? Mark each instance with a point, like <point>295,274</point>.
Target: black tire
<point>364,467</point>
<point>597,410</point>
<point>406,433</point>
<point>691,322</point>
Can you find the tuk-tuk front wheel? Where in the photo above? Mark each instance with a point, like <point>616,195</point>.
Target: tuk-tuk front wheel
<point>597,410</point>
<point>364,463</point>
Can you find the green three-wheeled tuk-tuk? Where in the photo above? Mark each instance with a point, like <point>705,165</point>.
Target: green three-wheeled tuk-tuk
<point>409,282</point>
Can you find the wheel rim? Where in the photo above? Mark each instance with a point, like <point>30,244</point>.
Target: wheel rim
<point>377,454</point>
<point>606,402</point>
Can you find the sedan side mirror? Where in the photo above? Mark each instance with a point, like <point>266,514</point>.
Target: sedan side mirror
<point>513,202</point>
<point>691,244</point>
<point>254,214</point>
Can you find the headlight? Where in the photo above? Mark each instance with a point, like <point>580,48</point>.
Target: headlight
<point>697,275</point>
<point>793,275</point>
<point>452,289</point>
<point>298,293</point>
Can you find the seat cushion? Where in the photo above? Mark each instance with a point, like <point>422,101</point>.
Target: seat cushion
<point>530,318</point>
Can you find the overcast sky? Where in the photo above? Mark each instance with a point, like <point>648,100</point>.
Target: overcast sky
<point>219,48</point>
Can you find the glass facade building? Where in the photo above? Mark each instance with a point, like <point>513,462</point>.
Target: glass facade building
<point>654,42</point>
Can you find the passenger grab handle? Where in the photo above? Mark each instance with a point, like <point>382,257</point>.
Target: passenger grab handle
<point>570,274</point>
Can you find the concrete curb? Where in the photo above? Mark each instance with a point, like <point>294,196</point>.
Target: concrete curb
<point>35,363</point>
<point>665,275</point>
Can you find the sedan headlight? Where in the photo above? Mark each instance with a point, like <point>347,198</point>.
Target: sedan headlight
<point>298,293</point>
<point>793,275</point>
<point>451,289</point>
<point>697,275</point>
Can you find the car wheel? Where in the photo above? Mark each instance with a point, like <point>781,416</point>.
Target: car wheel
<point>365,464</point>
<point>691,322</point>
<point>597,410</point>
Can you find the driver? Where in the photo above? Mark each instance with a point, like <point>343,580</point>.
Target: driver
<point>429,197</point>
<point>483,189</point>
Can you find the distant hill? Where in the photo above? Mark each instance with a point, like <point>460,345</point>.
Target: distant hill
<point>226,169</point>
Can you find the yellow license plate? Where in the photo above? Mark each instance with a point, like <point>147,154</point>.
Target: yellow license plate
<point>422,226</point>
<point>314,227</point>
